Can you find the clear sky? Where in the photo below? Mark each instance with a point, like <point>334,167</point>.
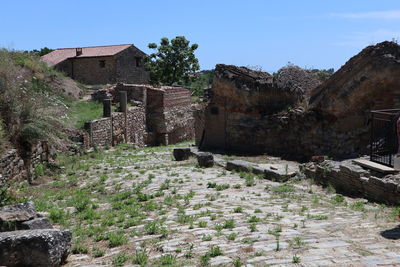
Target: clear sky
<point>269,34</point>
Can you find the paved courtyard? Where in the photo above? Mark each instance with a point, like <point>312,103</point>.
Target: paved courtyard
<point>145,208</point>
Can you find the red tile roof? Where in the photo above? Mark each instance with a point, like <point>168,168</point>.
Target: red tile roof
<point>61,54</point>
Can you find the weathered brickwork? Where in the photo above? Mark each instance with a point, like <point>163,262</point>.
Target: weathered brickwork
<point>169,114</point>
<point>12,166</point>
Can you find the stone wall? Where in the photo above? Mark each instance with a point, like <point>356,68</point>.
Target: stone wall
<point>119,128</point>
<point>245,115</point>
<point>135,92</point>
<point>167,110</point>
<point>130,66</point>
<point>198,116</point>
<point>136,122</point>
<point>90,71</point>
<point>12,166</point>
<point>100,132</point>
<point>348,178</point>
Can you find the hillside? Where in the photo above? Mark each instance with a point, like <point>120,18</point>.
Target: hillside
<point>33,99</point>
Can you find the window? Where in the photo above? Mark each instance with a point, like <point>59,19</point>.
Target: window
<point>138,61</point>
<point>102,63</point>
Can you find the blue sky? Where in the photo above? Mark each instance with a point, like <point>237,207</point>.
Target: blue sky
<point>268,34</point>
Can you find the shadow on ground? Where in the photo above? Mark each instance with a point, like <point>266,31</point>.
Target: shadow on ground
<point>392,233</point>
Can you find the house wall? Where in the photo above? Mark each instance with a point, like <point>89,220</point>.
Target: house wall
<point>127,70</point>
<point>88,70</point>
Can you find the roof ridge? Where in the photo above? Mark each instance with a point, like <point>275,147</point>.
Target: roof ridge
<point>90,46</point>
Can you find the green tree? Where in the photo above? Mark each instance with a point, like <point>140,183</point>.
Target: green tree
<point>172,62</point>
<point>43,51</point>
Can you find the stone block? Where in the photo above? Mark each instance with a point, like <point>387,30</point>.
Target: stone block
<point>181,153</point>
<point>240,165</point>
<point>205,159</point>
<point>39,248</point>
<point>37,223</point>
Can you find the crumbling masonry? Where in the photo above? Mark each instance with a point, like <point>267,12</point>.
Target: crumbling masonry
<point>251,111</point>
<point>157,116</point>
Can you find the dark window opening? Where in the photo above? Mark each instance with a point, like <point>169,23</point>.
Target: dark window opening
<point>102,63</point>
<point>214,111</point>
<point>139,62</point>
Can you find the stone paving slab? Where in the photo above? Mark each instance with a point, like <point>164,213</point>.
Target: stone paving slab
<point>302,217</point>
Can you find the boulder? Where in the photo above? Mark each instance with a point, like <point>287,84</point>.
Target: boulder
<point>34,248</point>
<point>205,159</point>
<point>181,153</point>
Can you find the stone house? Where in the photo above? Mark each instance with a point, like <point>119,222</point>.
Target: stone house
<point>100,64</point>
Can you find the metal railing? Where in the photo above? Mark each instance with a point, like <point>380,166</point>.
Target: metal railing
<point>384,143</point>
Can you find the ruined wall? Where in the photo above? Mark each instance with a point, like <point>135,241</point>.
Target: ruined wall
<point>100,132</point>
<point>169,115</point>
<point>119,128</point>
<point>12,166</point>
<point>334,122</point>
<point>349,178</point>
<point>167,111</point>
<point>130,66</point>
<point>136,125</point>
<point>90,71</point>
<point>134,92</point>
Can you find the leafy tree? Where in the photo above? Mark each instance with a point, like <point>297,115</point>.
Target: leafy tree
<point>43,51</point>
<point>172,62</point>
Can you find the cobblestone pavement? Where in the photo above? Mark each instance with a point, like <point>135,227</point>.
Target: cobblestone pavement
<point>191,217</point>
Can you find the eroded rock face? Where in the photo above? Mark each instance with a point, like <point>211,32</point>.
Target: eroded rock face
<point>34,248</point>
<point>249,112</point>
<point>251,91</point>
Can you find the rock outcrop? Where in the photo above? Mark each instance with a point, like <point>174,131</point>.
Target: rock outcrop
<point>249,111</point>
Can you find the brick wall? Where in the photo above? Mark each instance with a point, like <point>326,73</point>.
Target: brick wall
<point>169,114</point>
